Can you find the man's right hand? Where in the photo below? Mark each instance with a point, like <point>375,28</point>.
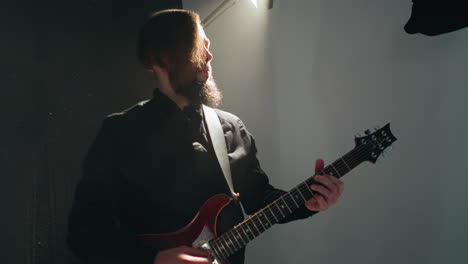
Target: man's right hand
<point>182,255</point>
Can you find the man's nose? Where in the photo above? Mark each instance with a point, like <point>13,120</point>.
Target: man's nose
<point>209,56</point>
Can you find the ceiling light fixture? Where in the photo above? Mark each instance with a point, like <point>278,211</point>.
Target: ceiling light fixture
<point>226,4</point>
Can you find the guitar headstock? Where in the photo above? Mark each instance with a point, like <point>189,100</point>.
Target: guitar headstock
<point>373,144</point>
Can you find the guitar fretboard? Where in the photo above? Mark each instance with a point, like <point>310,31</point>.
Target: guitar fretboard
<point>238,237</point>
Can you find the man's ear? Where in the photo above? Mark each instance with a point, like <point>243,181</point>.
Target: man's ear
<point>161,73</point>
<point>159,64</point>
<point>159,70</point>
<point>162,61</point>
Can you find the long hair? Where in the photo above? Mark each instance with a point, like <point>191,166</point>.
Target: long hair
<point>171,34</point>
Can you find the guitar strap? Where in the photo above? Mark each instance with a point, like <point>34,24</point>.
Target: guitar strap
<point>219,145</point>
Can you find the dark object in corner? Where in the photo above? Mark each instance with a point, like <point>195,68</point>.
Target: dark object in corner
<point>435,17</point>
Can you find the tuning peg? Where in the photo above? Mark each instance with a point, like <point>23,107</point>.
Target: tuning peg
<point>367,132</point>
<point>380,158</point>
<point>387,153</point>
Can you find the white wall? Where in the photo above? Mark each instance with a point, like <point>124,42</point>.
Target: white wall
<point>305,77</point>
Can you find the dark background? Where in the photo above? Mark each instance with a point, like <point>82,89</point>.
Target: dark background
<point>65,65</point>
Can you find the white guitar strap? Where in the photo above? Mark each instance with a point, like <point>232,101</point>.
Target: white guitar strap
<point>219,145</point>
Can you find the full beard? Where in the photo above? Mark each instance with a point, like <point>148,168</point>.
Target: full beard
<point>201,92</point>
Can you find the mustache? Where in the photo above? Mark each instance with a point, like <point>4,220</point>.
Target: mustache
<point>203,66</point>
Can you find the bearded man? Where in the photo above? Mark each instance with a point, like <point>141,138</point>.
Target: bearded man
<point>151,167</point>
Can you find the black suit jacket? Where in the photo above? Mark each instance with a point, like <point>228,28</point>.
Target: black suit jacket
<point>137,179</point>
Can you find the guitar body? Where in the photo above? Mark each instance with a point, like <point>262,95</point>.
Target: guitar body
<point>197,233</point>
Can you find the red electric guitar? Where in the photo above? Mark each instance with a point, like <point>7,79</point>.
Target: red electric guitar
<point>201,232</point>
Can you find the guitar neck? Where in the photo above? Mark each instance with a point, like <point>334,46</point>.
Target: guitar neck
<point>236,238</point>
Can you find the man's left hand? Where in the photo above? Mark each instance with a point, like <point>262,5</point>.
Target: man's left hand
<point>327,191</point>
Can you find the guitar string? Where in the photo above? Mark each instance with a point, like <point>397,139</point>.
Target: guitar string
<point>298,188</point>
<point>353,159</point>
<point>252,218</point>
